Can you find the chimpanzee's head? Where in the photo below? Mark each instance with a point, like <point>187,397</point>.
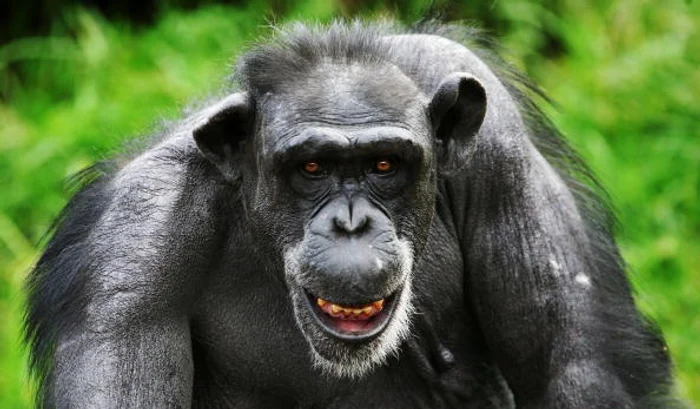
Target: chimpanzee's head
<point>337,163</point>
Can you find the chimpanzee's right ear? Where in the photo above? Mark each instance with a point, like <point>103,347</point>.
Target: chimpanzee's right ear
<point>222,129</point>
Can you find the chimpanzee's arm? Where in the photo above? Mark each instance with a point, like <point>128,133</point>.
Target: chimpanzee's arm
<point>548,288</point>
<point>122,285</point>
<point>543,272</point>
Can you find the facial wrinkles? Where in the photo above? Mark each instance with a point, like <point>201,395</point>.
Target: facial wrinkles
<point>350,107</point>
<point>350,113</point>
<point>351,145</point>
<point>319,203</point>
<point>347,190</point>
<point>345,136</point>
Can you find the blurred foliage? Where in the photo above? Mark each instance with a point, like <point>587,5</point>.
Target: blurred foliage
<point>624,75</point>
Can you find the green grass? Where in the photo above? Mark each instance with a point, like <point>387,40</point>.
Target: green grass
<point>626,87</point>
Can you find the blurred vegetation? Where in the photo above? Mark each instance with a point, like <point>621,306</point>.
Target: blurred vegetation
<point>624,74</point>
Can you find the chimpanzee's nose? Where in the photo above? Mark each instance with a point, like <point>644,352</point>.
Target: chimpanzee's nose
<point>353,217</point>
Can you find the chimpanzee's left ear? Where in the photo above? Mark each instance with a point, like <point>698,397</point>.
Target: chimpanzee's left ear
<point>457,111</point>
<point>224,126</point>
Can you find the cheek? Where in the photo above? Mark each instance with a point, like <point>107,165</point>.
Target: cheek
<point>274,218</point>
<point>414,219</point>
<point>278,230</point>
<point>415,210</point>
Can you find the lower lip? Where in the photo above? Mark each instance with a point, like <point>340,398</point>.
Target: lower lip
<point>353,327</point>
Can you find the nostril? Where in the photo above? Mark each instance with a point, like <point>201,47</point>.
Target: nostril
<point>341,224</point>
<point>361,225</point>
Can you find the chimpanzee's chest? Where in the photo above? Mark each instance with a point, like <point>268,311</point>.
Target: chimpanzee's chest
<point>247,337</point>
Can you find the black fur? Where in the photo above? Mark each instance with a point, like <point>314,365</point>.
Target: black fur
<point>507,315</point>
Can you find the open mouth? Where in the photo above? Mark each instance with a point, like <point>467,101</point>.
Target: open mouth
<point>352,322</point>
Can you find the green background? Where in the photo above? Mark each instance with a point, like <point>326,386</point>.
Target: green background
<point>624,75</point>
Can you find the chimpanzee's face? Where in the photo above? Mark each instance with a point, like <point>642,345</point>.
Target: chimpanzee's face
<point>344,185</point>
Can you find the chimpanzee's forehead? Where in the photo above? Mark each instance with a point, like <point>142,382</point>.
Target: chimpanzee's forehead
<point>355,95</point>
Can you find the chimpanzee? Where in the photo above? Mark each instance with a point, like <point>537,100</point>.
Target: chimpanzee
<point>373,217</point>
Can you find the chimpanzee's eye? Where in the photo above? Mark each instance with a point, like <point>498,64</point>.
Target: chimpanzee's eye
<point>312,168</point>
<point>384,166</point>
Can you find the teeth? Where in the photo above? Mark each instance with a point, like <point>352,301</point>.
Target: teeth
<point>335,309</point>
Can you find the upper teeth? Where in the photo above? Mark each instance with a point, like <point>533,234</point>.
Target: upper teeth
<point>369,309</point>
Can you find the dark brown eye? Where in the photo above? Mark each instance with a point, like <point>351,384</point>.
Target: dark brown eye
<point>383,165</point>
<point>312,168</point>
